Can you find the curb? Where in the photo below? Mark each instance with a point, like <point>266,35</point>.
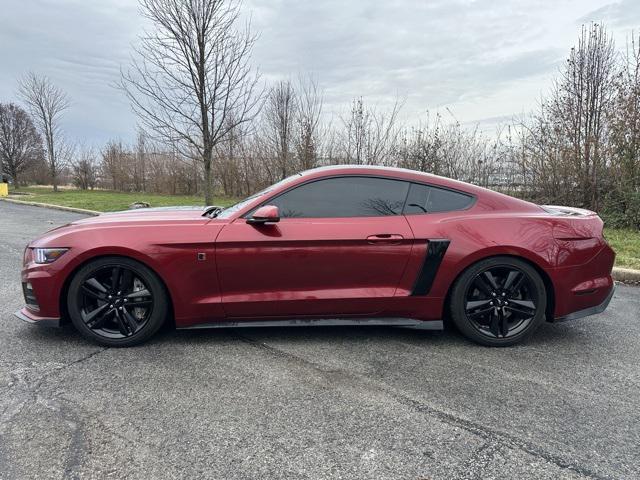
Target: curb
<point>55,207</point>
<point>625,274</point>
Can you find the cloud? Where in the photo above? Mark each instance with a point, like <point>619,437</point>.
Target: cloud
<point>481,59</point>
<point>433,53</point>
<point>622,14</point>
<point>80,46</point>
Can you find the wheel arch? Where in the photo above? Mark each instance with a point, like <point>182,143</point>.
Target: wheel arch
<point>62,300</point>
<point>546,279</point>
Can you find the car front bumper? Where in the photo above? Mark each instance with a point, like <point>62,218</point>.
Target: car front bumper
<point>26,315</point>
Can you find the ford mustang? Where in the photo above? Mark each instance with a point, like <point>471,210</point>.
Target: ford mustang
<point>344,245</point>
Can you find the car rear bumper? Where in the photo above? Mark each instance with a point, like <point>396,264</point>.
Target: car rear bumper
<point>588,311</point>
<point>27,316</point>
<point>583,288</point>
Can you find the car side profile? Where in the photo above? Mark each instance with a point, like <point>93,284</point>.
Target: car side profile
<point>333,245</point>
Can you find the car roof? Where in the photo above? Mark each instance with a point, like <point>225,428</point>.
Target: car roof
<point>394,172</point>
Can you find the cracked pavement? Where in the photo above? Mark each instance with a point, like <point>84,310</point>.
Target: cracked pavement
<point>369,402</point>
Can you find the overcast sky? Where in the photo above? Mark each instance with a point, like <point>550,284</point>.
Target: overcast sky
<point>484,60</point>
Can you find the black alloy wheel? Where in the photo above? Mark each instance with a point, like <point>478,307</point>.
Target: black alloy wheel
<point>116,301</point>
<point>499,301</point>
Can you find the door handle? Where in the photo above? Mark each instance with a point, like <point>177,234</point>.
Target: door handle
<point>386,238</point>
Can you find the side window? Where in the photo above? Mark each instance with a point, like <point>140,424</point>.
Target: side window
<point>344,197</point>
<point>426,199</point>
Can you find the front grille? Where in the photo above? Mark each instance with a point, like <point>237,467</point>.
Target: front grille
<point>29,296</point>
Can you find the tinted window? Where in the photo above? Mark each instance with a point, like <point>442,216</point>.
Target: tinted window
<point>344,197</point>
<point>227,212</point>
<point>425,199</point>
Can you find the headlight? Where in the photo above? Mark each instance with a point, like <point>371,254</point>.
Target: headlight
<point>26,258</point>
<point>47,255</point>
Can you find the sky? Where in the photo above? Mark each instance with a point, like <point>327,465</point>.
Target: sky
<point>480,62</point>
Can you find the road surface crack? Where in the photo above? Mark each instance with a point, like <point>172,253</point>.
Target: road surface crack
<point>24,391</point>
<point>488,434</point>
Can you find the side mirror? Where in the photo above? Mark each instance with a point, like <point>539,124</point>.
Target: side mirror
<point>265,214</point>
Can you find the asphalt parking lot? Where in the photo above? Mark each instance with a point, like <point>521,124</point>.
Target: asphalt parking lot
<point>379,403</point>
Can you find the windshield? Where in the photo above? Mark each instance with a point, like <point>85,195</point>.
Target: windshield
<point>227,212</point>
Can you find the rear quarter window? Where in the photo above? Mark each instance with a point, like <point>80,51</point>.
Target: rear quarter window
<point>430,199</point>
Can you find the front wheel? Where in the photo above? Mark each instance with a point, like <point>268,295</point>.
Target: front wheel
<point>498,302</point>
<point>116,302</point>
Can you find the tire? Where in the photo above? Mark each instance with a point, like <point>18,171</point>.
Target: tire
<point>498,302</point>
<point>117,302</point>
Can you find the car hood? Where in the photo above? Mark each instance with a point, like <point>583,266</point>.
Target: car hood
<point>167,217</point>
<point>144,215</point>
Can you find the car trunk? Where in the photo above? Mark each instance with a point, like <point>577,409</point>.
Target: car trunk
<point>574,223</point>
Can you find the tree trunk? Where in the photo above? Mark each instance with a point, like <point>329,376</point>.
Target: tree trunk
<point>208,188</point>
<point>52,162</point>
<point>14,174</point>
<point>54,179</point>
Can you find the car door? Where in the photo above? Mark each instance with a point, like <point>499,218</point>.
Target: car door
<point>340,247</point>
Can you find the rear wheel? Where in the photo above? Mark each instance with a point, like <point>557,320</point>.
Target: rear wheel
<point>116,302</point>
<point>499,301</point>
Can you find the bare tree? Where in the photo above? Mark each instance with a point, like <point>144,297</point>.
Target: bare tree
<point>369,136</point>
<point>279,122</point>
<point>420,147</point>
<point>229,158</point>
<point>578,107</point>
<point>114,165</point>
<point>140,164</point>
<point>47,103</point>
<point>623,198</point>
<point>309,111</point>
<point>83,170</point>
<point>191,73</point>
<point>20,144</point>
<point>451,150</point>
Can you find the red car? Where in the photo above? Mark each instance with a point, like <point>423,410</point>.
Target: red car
<point>334,245</point>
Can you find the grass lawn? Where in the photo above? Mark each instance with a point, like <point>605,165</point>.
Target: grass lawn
<point>626,243</point>
<point>108,201</point>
